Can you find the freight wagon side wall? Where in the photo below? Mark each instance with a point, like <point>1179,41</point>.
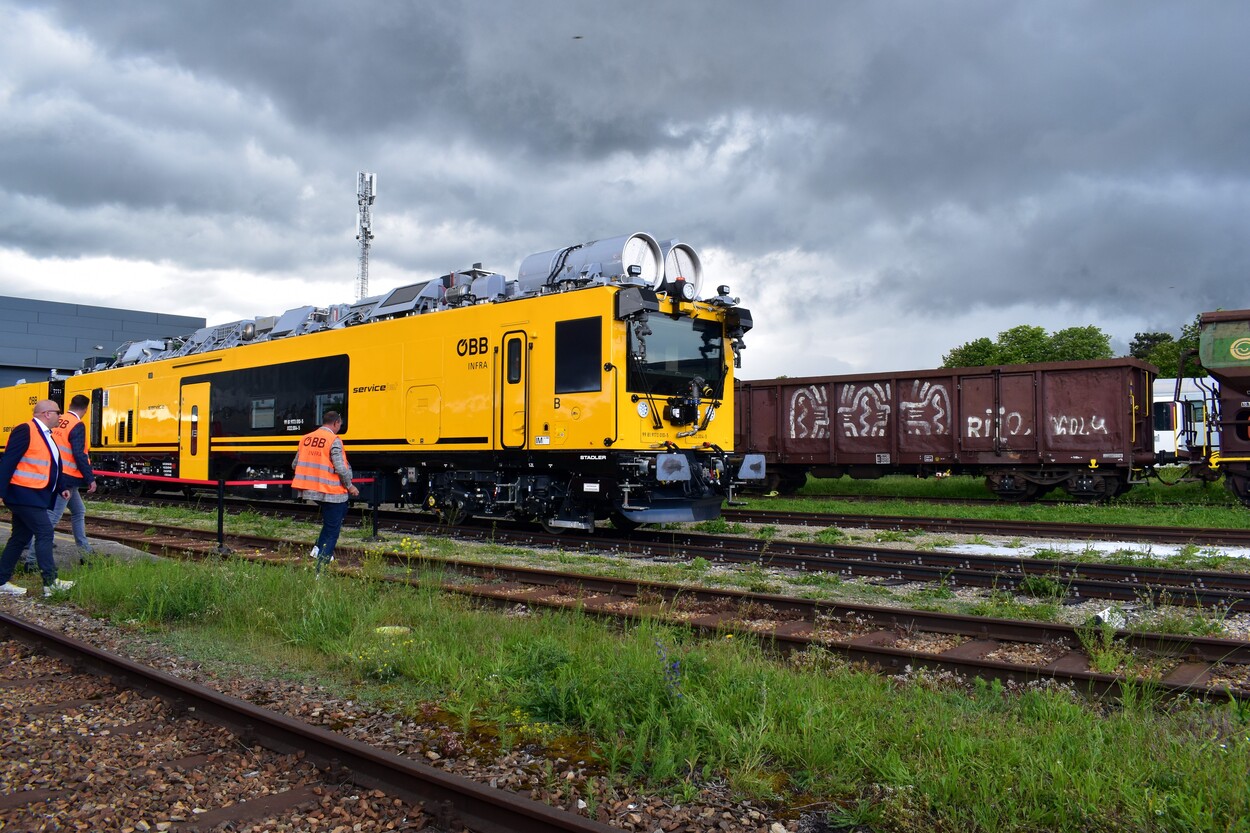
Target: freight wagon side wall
<point>1060,413</point>
<point>868,423</point>
<point>1091,415</point>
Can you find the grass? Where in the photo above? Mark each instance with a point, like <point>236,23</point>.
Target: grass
<point>1041,600</point>
<point>1149,503</point>
<point>657,704</point>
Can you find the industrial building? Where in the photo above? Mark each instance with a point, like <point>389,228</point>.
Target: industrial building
<point>38,338</point>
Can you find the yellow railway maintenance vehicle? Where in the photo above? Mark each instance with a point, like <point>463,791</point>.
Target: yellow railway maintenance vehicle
<point>593,385</point>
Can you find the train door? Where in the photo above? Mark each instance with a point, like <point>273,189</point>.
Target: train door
<point>999,413</point>
<point>193,432</point>
<point>117,415</point>
<point>514,393</point>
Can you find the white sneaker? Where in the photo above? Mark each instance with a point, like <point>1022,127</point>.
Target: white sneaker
<point>11,589</point>
<point>316,551</point>
<point>58,586</point>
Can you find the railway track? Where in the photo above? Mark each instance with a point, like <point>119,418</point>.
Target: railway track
<point>988,500</point>
<point>890,639</point>
<point>95,741</point>
<point>1008,528</point>
<point>1036,529</point>
<point>1059,578</point>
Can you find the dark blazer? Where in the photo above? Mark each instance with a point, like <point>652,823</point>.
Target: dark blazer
<point>20,440</point>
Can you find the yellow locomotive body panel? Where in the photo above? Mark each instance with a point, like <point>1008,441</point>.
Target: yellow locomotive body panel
<point>562,407</point>
<point>17,405</point>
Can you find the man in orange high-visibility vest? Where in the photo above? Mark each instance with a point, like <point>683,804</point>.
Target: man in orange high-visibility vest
<point>70,435</point>
<point>30,480</point>
<point>322,474</point>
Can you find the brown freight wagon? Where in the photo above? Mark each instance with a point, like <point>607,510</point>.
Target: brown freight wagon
<point>1081,426</point>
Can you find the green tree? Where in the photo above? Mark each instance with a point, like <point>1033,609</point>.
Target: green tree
<point>1080,344</point>
<point>1167,355</point>
<point>1023,344</point>
<point>1143,344</point>
<point>1028,343</point>
<point>977,353</point>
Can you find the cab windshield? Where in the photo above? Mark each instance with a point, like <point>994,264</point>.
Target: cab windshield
<point>676,351</point>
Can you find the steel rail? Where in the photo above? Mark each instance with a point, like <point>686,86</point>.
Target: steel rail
<point>1040,529</point>
<point>447,797</point>
<point>1078,580</point>
<point>798,626</point>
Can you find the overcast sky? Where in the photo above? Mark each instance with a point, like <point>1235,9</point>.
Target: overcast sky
<point>879,182</point>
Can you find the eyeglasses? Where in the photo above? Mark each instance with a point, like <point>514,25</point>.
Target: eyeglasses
<point>48,412</point>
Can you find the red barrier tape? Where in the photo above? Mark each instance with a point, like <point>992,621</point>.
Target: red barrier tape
<point>158,479</point>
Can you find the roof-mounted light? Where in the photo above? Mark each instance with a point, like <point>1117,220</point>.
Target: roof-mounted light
<point>683,289</point>
<point>723,298</point>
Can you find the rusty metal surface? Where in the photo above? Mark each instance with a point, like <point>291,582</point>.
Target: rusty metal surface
<point>1052,413</point>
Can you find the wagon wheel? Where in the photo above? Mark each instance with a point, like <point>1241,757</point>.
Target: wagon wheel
<point>791,482</point>
<point>1012,488</point>
<point>1092,488</point>
<point>552,529</point>
<point>1239,484</point>
<point>453,514</point>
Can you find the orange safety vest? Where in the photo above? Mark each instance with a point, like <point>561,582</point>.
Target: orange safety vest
<point>61,435</point>
<point>34,470</point>
<point>314,471</point>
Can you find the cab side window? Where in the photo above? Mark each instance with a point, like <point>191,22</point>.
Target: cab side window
<point>579,355</point>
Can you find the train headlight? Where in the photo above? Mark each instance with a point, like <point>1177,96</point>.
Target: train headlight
<point>684,289</point>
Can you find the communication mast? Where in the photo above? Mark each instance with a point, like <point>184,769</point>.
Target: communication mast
<point>366,190</point>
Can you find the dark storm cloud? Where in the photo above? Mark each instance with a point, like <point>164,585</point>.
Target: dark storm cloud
<point>891,157</point>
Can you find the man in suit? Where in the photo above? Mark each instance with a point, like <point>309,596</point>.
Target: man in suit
<point>30,480</point>
<point>70,436</point>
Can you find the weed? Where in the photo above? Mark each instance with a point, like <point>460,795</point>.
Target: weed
<point>1107,654</point>
<point>935,591</point>
<point>720,526</point>
<point>1166,615</point>
<point>830,535</point>
<point>895,535</point>
<point>1043,587</point>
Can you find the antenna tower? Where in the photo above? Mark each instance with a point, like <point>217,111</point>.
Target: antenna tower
<point>366,190</point>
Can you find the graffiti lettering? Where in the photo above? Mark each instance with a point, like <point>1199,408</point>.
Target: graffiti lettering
<point>1007,424</point>
<point>1078,425</point>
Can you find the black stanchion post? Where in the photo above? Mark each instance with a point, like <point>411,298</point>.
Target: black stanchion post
<point>374,503</point>
<point>222,549</point>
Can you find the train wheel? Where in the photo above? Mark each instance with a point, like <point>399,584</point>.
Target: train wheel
<point>453,514</point>
<point>1088,487</point>
<point>1239,484</point>
<point>1011,487</point>
<point>552,529</point>
<point>789,483</point>
<point>622,523</point>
